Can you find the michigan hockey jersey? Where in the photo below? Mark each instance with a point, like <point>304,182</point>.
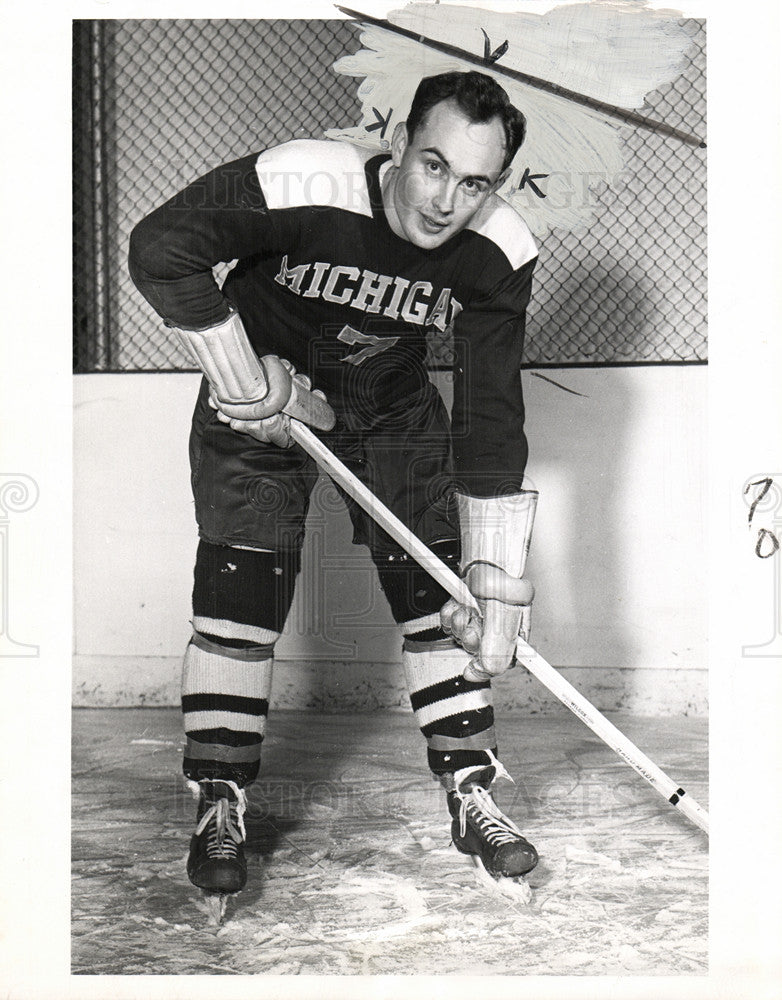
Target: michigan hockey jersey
<point>322,280</point>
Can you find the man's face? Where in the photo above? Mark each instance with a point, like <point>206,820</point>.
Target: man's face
<point>445,172</point>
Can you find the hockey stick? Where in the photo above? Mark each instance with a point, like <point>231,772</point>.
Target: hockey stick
<point>531,659</point>
<point>611,110</point>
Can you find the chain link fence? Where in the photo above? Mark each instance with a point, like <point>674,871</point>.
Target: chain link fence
<point>158,103</point>
<point>633,287</point>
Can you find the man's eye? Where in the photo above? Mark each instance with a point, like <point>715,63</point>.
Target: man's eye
<point>471,187</point>
<point>433,166</point>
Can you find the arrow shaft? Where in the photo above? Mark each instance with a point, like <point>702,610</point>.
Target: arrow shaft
<point>610,110</point>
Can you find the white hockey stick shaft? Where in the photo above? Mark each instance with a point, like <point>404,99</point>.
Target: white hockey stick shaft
<point>532,660</point>
<point>610,735</point>
<point>378,511</point>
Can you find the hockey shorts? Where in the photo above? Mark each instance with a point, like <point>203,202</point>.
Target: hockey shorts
<point>257,495</point>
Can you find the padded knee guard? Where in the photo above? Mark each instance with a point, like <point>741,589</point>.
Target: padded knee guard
<point>415,598</point>
<point>242,594</point>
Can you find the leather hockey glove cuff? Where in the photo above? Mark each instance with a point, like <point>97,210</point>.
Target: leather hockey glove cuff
<point>496,534</point>
<point>247,388</point>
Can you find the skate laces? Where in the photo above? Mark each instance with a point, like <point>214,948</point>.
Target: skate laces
<point>484,811</point>
<point>225,823</point>
<point>479,804</point>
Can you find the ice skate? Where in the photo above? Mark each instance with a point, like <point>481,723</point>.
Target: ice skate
<point>216,863</point>
<point>481,829</point>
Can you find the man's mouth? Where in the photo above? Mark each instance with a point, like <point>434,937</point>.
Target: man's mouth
<point>431,225</point>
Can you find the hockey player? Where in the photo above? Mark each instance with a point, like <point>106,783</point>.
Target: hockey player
<point>345,260</point>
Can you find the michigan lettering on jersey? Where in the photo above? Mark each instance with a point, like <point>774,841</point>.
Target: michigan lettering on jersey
<point>391,296</point>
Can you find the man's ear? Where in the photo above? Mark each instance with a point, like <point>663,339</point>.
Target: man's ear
<point>399,143</point>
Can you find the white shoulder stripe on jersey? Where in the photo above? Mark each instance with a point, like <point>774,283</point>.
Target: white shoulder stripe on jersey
<point>501,223</point>
<point>315,172</point>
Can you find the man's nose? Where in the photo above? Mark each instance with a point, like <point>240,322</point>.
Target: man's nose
<point>445,198</point>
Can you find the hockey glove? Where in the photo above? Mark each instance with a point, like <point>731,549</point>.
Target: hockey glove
<point>505,604</point>
<point>275,429</point>
<point>252,390</point>
<point>496,534</point>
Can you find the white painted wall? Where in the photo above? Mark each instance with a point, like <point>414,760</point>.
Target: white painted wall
<point>618,554</point>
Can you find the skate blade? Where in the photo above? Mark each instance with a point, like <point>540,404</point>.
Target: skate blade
<point>216,903</point>
<point>514,888</point>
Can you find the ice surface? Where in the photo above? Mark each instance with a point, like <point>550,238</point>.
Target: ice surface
<point>351,870</point>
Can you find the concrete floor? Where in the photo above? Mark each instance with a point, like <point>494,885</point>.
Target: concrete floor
<point>351,870</point>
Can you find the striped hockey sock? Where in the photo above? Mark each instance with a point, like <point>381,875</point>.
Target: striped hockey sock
<point>226,683</point>
<point>455,715</point>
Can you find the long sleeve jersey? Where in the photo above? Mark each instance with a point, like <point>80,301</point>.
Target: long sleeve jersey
<point>322,280</point>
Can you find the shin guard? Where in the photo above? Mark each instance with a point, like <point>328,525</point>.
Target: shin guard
<point>225,702</point>
<point>455,715</point>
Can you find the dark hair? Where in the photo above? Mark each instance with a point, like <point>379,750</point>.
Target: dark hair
<point>478,96</point>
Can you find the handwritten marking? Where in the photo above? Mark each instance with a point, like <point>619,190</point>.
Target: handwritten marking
<point>488,55</point>
<point>381,122</point>
<point>529,179</point>
<point>764,534</point>
<point>766,483</point>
